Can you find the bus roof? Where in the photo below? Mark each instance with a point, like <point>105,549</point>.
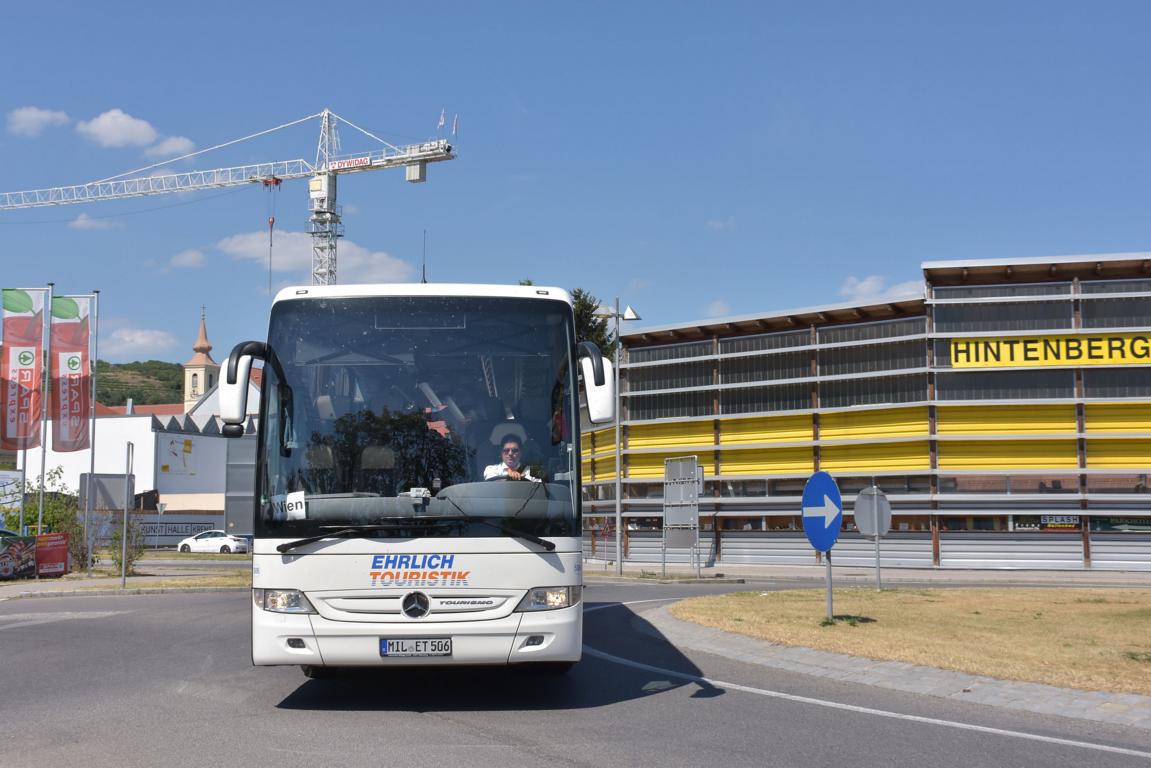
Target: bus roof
<point>422,289</point>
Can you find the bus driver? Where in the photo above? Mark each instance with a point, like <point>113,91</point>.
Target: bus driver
<point>510,452</point>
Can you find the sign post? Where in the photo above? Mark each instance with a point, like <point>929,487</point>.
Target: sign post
<point>127,508</point>
<point>873,518</point>
<point>822,519</point>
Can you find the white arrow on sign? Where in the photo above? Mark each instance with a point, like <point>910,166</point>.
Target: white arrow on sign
<point>828,511</point>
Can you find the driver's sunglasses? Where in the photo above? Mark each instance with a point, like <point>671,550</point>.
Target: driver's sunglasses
<point>511,450</point>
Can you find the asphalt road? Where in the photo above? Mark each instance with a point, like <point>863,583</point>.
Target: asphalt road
<point>148,680</point>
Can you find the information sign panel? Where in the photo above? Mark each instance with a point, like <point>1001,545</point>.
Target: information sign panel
<point>680,492</point>
<point>872,512</point>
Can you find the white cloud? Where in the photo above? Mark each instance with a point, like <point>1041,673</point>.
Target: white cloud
<point>721,224</point>
<point>875,288</point>
<point>187,259</point>
<point>292,252</point>
<point>116,128</point>
<point>31,121</point>
<point>718,308</point>
<point>86,222</point>
<point>137,343</point>
<point>172,146</point>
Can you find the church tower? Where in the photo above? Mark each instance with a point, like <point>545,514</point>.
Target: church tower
<point>201,373</point>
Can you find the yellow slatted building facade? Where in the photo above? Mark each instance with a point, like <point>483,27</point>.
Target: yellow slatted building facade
<point>1009,396</point>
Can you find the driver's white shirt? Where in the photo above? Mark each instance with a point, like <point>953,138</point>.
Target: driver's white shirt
<point>501,470</point>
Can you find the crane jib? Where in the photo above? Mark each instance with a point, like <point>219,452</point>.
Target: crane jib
<point>325,212</point>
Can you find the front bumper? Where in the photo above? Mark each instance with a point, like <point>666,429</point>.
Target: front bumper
<point>357,644</point>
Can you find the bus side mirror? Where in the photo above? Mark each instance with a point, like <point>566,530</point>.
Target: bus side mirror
<point>598,382</point>
<point>234,386</point>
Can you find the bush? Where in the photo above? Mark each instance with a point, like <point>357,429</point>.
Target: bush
<point>135,547</point>
<point>61,514</point>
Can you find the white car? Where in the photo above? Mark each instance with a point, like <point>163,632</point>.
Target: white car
<point>213,541</point>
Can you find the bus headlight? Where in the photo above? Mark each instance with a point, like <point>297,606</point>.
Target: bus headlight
<point>550,598</point>
<point>282,601</point>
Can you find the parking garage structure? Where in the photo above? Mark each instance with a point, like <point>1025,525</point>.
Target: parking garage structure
<point>1005,411</point>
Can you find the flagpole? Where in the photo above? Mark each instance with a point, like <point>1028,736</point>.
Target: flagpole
<point>23,486</point>
<point>23,438</point>
<point>89,502</point>
<point>46,382</point>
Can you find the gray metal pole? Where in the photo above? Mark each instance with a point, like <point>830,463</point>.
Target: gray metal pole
<point>618,466</point>
<point>45,394</point>
<point>23,487</point>
<point>830,614</point>
<point>878,582</point>
<point>94,325</point>
<point>127,508</point>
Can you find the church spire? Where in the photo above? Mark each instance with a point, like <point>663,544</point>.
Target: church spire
<point>201,372</point>
<point>202,347</point>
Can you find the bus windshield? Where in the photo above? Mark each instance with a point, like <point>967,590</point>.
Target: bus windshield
<point>387,412</point>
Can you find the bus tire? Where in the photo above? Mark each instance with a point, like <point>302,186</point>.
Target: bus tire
<point>313,672</point>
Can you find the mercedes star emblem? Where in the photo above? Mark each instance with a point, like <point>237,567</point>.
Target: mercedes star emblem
<point>416,605</point>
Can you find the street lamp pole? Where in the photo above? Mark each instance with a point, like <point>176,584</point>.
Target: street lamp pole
<point>618,465</point>
<point>617,344</point>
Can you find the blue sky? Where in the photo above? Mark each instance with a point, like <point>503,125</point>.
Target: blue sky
<point>695,159</point>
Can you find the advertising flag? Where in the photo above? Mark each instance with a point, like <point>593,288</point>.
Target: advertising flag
<point>70,405</point>
<point>21,368</point>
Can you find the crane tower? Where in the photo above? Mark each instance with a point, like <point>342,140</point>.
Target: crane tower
<point>324,220</point>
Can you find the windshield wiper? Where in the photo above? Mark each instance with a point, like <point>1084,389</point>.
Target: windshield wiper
<point>404,523</point>
<point>501,527</point>
<point>347,532</point>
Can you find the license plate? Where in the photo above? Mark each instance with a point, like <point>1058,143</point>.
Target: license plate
<point>416,646</point>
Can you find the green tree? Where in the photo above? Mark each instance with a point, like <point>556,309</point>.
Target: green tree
<point>590,326</point>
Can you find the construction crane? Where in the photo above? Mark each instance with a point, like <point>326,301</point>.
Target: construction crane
<point>325,226</point>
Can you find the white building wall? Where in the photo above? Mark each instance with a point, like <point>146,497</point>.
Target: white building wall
<point>188,470</point>
<point>190,463</point>
<point>113,433</point>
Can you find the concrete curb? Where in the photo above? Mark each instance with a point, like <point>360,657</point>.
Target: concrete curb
<point>892,577</point>
<point>1124,709</point>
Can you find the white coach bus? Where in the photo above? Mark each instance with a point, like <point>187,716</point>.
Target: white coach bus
<point>378,541</point>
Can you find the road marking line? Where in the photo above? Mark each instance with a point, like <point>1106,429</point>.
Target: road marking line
<point>15,620</point>
<point>846,707</point>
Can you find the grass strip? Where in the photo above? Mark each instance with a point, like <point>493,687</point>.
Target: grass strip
<point>1084,638</point>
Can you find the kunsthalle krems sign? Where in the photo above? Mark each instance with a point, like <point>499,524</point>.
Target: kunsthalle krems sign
<point>822,519</point>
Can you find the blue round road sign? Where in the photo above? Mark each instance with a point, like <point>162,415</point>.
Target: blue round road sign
<point>822,511</point>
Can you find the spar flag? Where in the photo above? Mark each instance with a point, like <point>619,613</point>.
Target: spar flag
<point>70,396</point>
<point>21,368</point>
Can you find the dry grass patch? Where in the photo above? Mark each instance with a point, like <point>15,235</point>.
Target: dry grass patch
<point>171,554</point>
<point>1092,639</point>
<point>227,579</point>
